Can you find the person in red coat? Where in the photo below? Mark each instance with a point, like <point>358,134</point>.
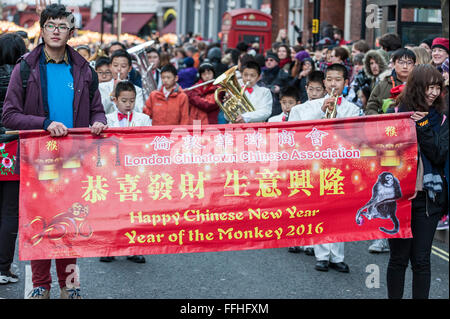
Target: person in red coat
<point>202,104</point>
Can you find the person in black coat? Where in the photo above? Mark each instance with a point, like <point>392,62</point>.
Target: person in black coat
<point>274,78</point>
<point>12,47</point>
<point>422,95</point>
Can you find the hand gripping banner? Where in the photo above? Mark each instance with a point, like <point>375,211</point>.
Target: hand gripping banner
<point>180,189</point>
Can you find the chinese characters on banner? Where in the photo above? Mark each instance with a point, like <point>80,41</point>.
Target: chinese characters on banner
<point>212,188</point>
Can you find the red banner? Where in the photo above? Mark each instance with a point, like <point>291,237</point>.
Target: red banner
<point>184,189</point>
<point>8,153</point>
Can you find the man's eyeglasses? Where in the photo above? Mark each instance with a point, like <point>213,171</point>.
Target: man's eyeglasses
<point>61,28</point>
<point>405,63</point>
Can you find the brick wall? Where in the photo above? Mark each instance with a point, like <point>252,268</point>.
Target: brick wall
<point>355,30</point>
<point>331,11</point>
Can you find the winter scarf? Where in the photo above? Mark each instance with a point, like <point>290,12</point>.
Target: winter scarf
<point>432,181</point>
<point>283,62</point>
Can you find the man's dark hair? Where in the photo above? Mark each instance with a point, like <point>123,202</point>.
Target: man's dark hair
<point>117,43</point>
<point>317,77</point>
<point>56,11</point>
<point>124,86</point>
<point>101,61</point>
<point>121,54</point>
<point>338,31</point>
<point>234,55</point>
<point>151,50</point>
<point>169,68</point>
<point>341,52</point>
<point>242,46</point>
<point>23,34</point>
<point>390,42</point>
<point>251,65</point>
<point>403,53</point>
<point>12,47</point>
<point>290,91</point>
<point>340,68</point>
<point>361,46</point>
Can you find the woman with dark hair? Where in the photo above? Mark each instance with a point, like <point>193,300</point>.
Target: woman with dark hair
<point>284,54</point>
<point>202,104</point>
<point>422,95</point>
<point>12,47</point>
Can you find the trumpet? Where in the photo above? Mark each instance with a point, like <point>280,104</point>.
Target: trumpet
<point>332,114</point>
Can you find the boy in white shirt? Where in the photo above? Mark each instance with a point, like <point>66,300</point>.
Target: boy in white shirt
<point>259,97</point>
<point>289,97</point>
<point>336,78</point>
<point>315,89</point>
<point>125,116</point>
<point>121,66</point>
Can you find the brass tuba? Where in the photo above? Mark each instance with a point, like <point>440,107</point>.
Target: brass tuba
<point>145,68</point>
<point>236,102</point>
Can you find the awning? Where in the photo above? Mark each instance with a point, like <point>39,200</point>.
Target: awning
<point>170,28</point>
<point>131,22</point>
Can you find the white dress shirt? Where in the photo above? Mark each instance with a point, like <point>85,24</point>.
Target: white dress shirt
<point>277,118</point>
<point>138,119</point>
<point>106,88</point>
<point>312,110</point>
<point>261,99</point>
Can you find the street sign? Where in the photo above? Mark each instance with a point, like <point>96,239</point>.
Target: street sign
<point>315,26</point>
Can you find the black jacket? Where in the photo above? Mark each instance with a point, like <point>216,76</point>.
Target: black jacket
<point>5,75</point>
<point>435,147</point>
<point>269,79</point>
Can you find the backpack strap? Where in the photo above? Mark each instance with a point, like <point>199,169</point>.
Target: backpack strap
<point>94,84</point>
<point>24,75</point>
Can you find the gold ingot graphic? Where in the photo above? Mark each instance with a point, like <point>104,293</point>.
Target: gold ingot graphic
<point>390,158</point>
<point>72,163</point>
<point>48,172</point>
<point>368,152</point>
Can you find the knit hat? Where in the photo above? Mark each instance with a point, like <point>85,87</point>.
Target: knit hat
<point>189,62</point>
<point>428,41</point>
<point>444,66</point>
<point>440,43</point>
<point>300,56</point>
<point>271,55</point>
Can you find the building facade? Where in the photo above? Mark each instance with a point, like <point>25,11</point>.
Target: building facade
<point>204,17</point>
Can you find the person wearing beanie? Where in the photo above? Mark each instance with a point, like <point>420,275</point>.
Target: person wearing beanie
<point>187,76</point>
<point>300,56</point>
<point>272,55</point>
<point>439,52</point>
<point>427,44</point>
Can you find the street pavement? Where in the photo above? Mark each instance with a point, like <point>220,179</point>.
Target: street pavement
<point>250,274</point>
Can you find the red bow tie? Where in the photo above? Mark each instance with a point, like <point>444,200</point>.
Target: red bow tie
<point>339,101</point>
<point>249,90</point>
<point>123,116</point>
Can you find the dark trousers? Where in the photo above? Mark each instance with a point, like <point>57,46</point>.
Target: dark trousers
<point>416,249</point>
<point>9,222</point>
